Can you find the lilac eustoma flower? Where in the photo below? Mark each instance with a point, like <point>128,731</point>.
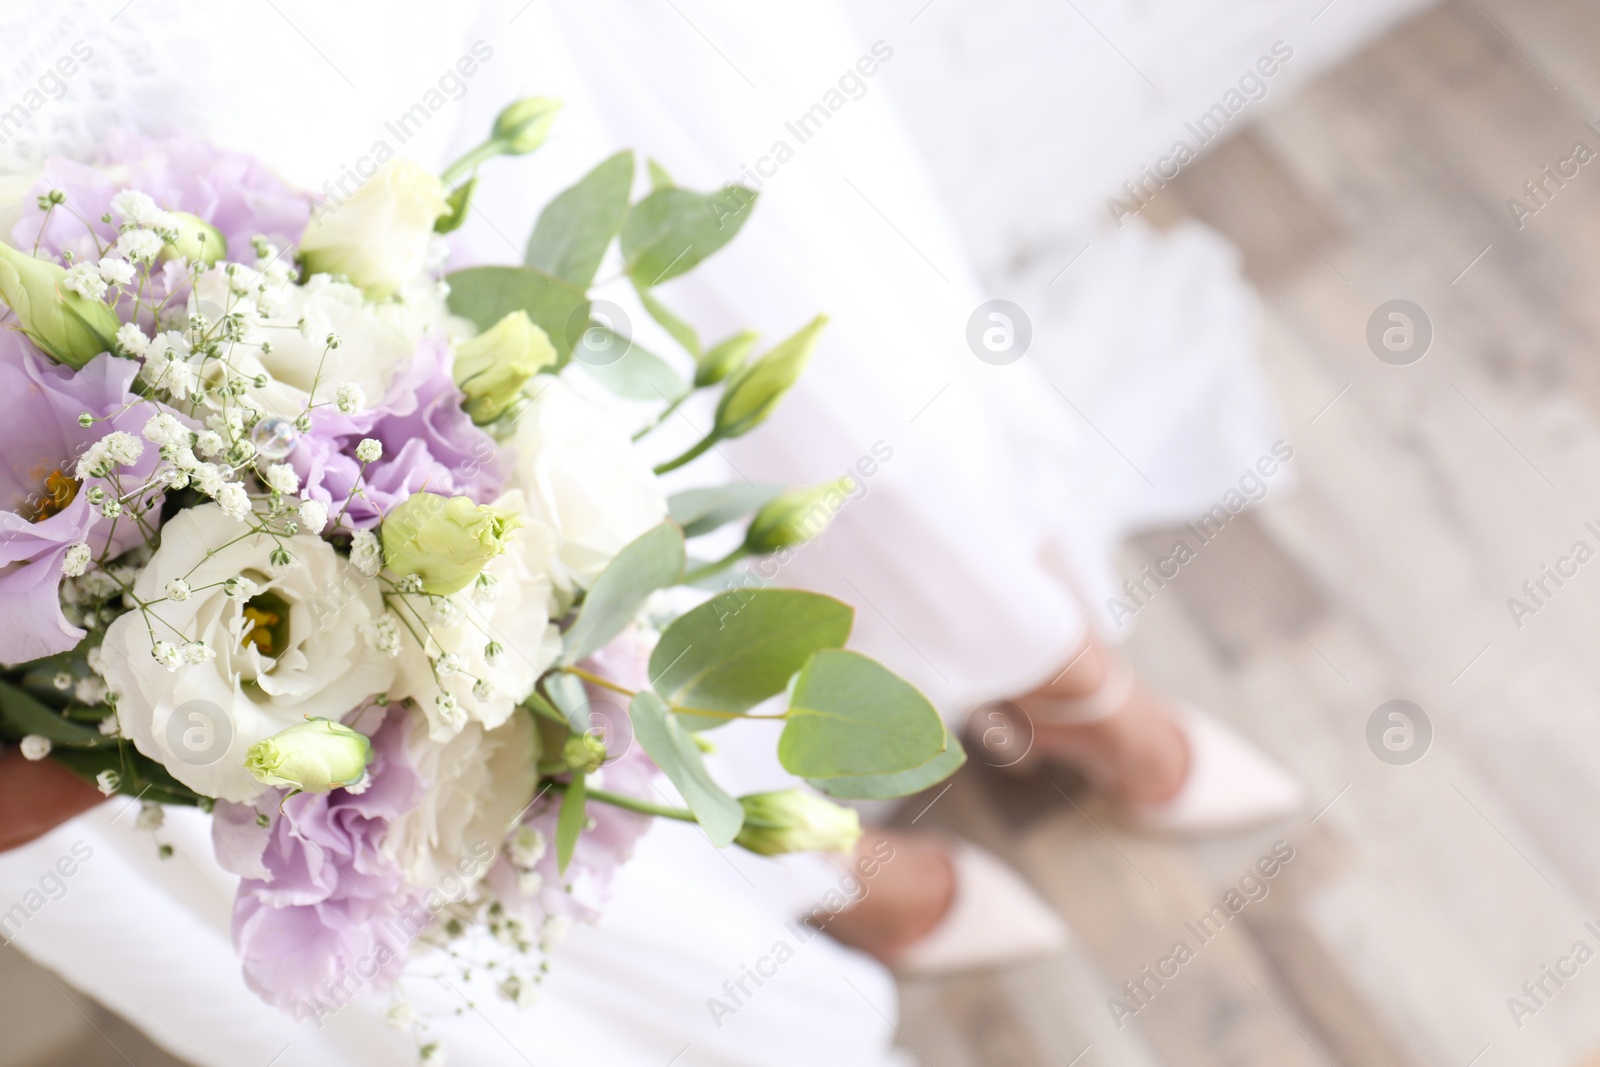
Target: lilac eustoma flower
<point>44,509</point>
<point>309,919</point>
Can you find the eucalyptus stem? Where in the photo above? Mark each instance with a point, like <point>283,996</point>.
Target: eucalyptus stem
<point>606,683</point>
<point>485,151</point>
<point>666,413</point>
<point>694,453</point>
<point>716,567</point>
<point>636,804</point>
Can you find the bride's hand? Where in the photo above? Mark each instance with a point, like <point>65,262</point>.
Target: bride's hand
<point>37,796</point>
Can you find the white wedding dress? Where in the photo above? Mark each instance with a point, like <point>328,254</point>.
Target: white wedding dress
<point>993,472</point>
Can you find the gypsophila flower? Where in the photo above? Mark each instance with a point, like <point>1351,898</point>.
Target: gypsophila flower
<point>96,659</point>
<point>139,245</point>
<point>527,846</point>
<point>209,443</point>
<point>365,553</point>
<point>240,588</point>
<point>281,478</point>
<point>77,560</point>
<point>445,612</point>
<point>123,448</point>
<point>108,782</point>
<point>350,399</point>
<point>401,1016</point>
<point>62,681</point>
<point>555,928</point>
<point>108,726</point>
<point>116,271</point>
<point>151,816</point>
<point>167,654</point>
<point>137,208</point>
<point>178,589</point>
<point>34,747</point>
<point>111,508</point>
<point>85,280</point>
<point>383,634</point>
<point>447,664</point>
<point>207,478</point>
<point>197,652</point>
<point>483,691</point>
<point>314,513</point>
<point>89,691</point>
<point>451,711</point>
<point>164,430</point>
<point>431,1055</point>
<point>235,502</point>
<point>370,450</point>
<point>132,340</point>
<point>529,882</point>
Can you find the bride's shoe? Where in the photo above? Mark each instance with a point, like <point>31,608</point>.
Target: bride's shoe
<point>1229,784</point>
<point>995,919</point>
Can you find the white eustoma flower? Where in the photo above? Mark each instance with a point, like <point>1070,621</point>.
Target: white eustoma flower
<point>293,649</point>
<point>481,781</point>
<point>379,238</point>
<point>458,636</point>
<point>301,370</point>
<point>583,477</point>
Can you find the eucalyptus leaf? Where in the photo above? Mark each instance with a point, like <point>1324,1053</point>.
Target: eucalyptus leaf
<point>651,561</point>
<point>674,750</point>
<point>638,375</point>
<point>850,715</point>
<point>488,294</point>
<point>679,330</point>
<point>899,784</point>
<point>741,647</point>
<point>659,178</point>
<point>699,511</point>
<point>574,229</point>
<point>566,692</point>
<point>570,823</point>
<point>22,713</point>
<point>670,231</point>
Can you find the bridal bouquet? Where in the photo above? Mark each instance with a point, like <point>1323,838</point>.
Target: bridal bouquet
<point>344,550</point>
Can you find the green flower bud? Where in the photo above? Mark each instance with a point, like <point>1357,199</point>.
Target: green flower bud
<point>755,390</point>
<point>724,359</point>
<point>313,756</point>
<point>796,516</point>
<point>524,124</point>
<point>69,328</point>
<point>493,367</point>
<point>583,752</point>
<point>793,820</point>
<point>444,541</point>
<point>198,241</point>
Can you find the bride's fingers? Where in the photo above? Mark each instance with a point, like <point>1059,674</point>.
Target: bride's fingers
<point>37,796</point>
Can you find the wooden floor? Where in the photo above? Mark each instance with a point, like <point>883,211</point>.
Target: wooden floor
<point>1420,897</point>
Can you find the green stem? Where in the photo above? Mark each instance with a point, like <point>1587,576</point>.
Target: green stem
<point>716,568</point>
<point>619,800</point>
<point>665,414</point>
<point>694,453</point>
<point>603,683</point>
<point>487,150</point>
